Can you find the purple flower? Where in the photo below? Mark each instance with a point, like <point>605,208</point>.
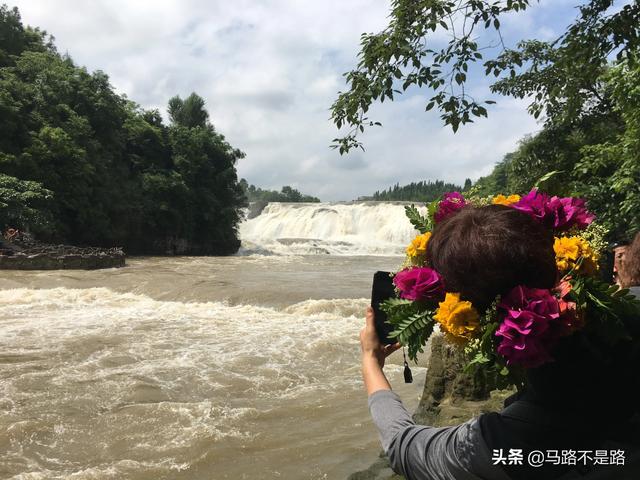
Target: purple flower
<point>533,204</point>
<point>419,284</point>
<point>555,212</point>
<point>451,202</point>
<point>570,212</point>
<point>530,327</point>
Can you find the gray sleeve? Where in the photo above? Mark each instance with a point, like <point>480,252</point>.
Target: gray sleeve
<point>422,452</point>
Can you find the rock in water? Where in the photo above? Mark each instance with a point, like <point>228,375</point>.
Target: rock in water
<point>28,254</point>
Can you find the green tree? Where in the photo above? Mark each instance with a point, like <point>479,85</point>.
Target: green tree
<point>206,164</point>
<point>498,181</point>
<point>189,112</point>
<point>103,170</point>
<point>595,157</point>
<point>15,38</point>
<point>165,199</point>
<point>23,205</point>
<point>608,173</point>
<point>561,75</point>
<point>424,191</point>
<point>286,194</point>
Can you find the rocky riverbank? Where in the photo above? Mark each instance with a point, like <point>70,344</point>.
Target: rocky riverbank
<point>31,255</point>
<point>450,397</point>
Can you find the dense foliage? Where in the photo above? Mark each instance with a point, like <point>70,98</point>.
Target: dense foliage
<point>424,191</point>
<point>596,156</point>
<point>286,194</point>
<point>82,164</point>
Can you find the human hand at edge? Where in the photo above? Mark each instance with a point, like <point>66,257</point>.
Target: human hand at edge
<point>370,343</point>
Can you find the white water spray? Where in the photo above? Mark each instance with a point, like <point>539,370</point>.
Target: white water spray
<point>365,228</point>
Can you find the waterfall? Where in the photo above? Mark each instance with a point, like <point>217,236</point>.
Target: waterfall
<point>359,228</point>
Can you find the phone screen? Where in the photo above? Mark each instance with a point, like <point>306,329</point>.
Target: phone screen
<point>382,290</point>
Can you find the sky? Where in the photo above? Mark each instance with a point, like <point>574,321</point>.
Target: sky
<point>269,71</point>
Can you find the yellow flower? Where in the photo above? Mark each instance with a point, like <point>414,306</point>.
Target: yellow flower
<point>502,200</point>
<point>418,245</point>
<point>568,252</point>
<point>457,318</point>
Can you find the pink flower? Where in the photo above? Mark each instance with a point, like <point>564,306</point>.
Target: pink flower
<point>530,328</point>
<point>555,212</point>
<point>570,212</point>
<point>419,284</point>
<point>533,204</point>
<point>451,202</point>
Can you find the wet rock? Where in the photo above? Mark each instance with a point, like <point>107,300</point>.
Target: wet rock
<point>256,208</point>
<point>32,255</point>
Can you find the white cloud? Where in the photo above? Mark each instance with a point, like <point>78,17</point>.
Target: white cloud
<point>269,71</point>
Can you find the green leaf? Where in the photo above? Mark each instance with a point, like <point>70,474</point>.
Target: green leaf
<point>392,303</point>
<point>432,208</point>
<point>422,224</point>
<point>412,326</point>
<point>545,178</point>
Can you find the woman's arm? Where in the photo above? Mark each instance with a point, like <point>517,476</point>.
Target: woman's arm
<point>414,451</point>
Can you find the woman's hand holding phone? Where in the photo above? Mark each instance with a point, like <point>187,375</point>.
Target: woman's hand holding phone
<point>370,343</point>
<point>374,354</point>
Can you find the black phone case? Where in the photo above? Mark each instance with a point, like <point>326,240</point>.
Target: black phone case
<point>382,290</point>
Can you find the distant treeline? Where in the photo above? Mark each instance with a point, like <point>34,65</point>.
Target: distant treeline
<point>83,165</point>
<point>424,191</point>
<point>287,194</point>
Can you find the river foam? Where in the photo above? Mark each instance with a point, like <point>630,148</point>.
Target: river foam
<point>99,384</point>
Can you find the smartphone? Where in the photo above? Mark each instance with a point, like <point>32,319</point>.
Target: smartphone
<point>382,290</point>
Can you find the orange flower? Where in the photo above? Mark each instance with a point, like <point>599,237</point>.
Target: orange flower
<point>569,251</point>
<point>503,200</point>
<point>457,317</point>
<point>569,315</point>
<point>418,246</point>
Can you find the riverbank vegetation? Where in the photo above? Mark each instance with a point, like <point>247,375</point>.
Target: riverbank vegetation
<point>83,165</point>
<point>286,194</point>
<point>597,155</point>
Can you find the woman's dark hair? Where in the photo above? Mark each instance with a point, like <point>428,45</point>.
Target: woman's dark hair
<point>629,269</point>
<point>486,251</point>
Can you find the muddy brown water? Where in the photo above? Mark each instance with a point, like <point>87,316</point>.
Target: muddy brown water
<point>189,368</point>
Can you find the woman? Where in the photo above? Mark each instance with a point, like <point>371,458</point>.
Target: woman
<point>586,400</point>
<point>629,269</point>
<point>618,251</point>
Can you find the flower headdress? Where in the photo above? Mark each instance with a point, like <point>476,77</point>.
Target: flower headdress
<point>522,327</point>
